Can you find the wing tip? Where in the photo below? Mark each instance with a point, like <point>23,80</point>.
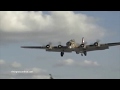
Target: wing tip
<point>22,47</point>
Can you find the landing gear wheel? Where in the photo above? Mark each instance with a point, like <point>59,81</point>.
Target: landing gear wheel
<point>85,53</point>
<point>62,53</point>
<point>77,52</point>
<point>81,54</point>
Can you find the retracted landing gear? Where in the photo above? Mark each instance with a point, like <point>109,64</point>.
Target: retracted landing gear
<point>62,53</point>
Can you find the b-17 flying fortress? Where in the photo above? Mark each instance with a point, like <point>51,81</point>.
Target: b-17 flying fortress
<point>71,46</point>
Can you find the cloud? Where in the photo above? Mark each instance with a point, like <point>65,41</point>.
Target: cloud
<point>90,63</point>
<point>17,71</point>
<point>16,65</point>
<point>67,62</point>
<point>19,26</point>
<point>2,62</point>
<point>71,62</point>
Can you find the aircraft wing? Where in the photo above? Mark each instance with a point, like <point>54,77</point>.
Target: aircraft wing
<point>52,49</point>
<point>34,47</point>
<point>101,47</point>
<point>108,44</point>
<point>44,47</point>
<point>113,44</point>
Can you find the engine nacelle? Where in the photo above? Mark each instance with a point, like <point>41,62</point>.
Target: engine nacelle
<point>48,46</point>
<point>82,45</point>
<point>97,44</point>
<point>59,46</point>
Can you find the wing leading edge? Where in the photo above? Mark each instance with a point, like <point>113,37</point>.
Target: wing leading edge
<point>101,47</point>
<point>113,44</point>
<point>34,47</point>
<point>51,49</point>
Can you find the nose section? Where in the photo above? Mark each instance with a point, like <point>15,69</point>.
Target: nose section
<point>68,43</point>
<point>70,47</point>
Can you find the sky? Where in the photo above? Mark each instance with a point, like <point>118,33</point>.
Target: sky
<point>38,28</point>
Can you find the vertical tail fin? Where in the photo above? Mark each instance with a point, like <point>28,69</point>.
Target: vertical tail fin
<point>83,40</point>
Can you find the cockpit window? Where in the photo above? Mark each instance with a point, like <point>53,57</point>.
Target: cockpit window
<point>72,40</point>
<point>68,43</point>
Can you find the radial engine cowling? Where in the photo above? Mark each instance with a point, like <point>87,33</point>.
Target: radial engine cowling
<point>97,44</point>
<point>82,45</point>
<point>47,46</point>
<point>59,46</point>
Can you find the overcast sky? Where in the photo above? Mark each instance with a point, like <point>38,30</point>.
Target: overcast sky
<point>39,28</point>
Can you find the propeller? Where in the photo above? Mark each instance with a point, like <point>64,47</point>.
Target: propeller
<point>98,40</point>
<point>50,43</point>
<point>59,44</point>
<point>85,42</point>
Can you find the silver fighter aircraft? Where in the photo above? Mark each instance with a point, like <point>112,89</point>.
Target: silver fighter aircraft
<point>71,45</point>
